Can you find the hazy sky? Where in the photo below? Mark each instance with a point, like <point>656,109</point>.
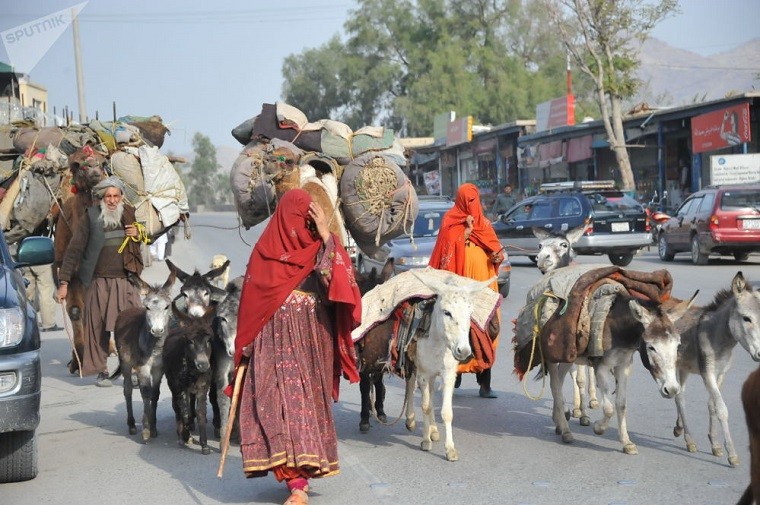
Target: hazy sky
<point>207,66</point>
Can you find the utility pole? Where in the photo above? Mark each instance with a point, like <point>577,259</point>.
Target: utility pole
<point>80,72</point>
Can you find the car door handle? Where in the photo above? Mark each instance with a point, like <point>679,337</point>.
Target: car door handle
<point>548,225</point>
<point>519,227</point>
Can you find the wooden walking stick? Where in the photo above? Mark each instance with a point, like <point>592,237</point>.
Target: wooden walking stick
<point>233,410</point>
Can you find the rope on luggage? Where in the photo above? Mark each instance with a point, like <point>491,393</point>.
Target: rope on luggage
<point>537,309</point>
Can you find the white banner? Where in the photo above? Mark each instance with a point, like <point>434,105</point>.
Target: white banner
<point>735,169</point>
<point>26,44</point>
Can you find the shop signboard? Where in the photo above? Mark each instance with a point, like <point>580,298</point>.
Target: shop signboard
<point>720,129</point>
<point>459,131</point>
<point>433,182</point>
<point>735,169</point>
<point>555,113</point>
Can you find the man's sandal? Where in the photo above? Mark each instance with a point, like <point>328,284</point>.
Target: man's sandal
<point>297,497</point>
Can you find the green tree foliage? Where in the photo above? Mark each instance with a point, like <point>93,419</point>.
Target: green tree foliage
<point>202,176</point>
<point>404,61</point>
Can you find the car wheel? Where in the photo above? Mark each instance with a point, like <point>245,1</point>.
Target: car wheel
<point>504,289</point>
<point>534,259</point>
<point>741,256</point>
<point>697,256</point>
<point>621,259</point>
<point>18,456</point>
<point>664,250</point>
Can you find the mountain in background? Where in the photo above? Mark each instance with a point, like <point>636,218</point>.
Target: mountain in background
<point>670,77</point>
<point>673,77</point>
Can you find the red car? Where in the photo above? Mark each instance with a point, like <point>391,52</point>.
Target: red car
<point>715,220</point>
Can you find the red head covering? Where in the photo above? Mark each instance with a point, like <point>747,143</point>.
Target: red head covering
<point>283,257</point>
<point>448,253</point>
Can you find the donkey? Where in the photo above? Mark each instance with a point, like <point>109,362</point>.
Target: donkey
<point>439,351</point>
<point>196,294</point>
<point>632,325</point>
<point>140,333</point>
<point>87,167</point>
<point>372,353</point>
<point>556,251</point>
<point>198,290</point>
<point>709,335</point>
<point>222,353</point>
<point>187,365</point>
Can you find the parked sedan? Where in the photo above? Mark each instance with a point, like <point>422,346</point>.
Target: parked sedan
<point>715,220</point>
<point>414,252</point>
<point>616,225</point>
<point>20,371</point>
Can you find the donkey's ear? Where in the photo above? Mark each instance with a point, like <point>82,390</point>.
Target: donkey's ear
<point>170,280</point>
<point>182,276</point>
<point>476,286</point>
<point>540,233</point>
<point>675,309</point>
<point>641,314</point>
<point>576,233</point>
<point>739,285</point>
<point>389,270</point>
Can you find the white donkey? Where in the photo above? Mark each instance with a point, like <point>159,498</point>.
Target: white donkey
<point>556,251</point>
<point>446,344</point>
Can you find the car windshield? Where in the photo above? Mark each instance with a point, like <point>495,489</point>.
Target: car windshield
<point>428,222</point>
<point>613,203</point>
<point>740,199</point>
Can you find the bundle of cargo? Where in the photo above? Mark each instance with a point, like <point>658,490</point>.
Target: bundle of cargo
<point>378,201</point>
<point>153,186</point>
<point>326,149</point>
<point>31,191</point>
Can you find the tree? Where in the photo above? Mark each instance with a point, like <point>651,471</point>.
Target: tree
<point>404,61</point>
<point>603,37</point>
<point>203,172</point>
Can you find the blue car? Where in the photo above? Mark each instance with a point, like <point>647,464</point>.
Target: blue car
<point>20,372</point>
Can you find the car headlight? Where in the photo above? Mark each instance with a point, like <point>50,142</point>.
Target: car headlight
<point>414,261</point>
<point>12,326</point>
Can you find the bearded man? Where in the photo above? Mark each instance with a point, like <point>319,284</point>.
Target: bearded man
<point>93,257</point>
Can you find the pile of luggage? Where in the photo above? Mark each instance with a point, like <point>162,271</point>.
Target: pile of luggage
<point>359,172</point>
<point>36,173</point>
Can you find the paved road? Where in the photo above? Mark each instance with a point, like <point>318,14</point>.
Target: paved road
<point>509,452</point>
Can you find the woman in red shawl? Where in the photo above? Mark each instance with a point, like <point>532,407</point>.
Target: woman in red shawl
<point>467,245</point>
<point>298,305</point>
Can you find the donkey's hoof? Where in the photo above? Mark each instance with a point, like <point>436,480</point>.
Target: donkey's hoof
<point>145,434</point>
<point>593,404</point>
<point>585,421</point>
<point>568,438</point>
<point>153,433</point>
<point>599,429</point>
<point>217,433</point>
<point>132,430</point>
<point>677,431</point>
<point>452,454</point>
<point>435,435</point>
<point>576,413</point>
<point>382,417</point>
<point>426,445</point>
<point>733,460</point>
<point>205,450</point>
<point>568,415</point>
<point>717,450</point>
<point>691,447</point>
<point>411,425</point>
<point>630,449</point>
<point>364,426</point>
